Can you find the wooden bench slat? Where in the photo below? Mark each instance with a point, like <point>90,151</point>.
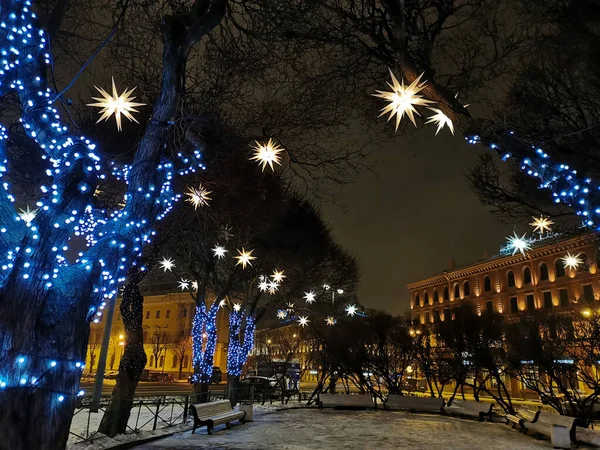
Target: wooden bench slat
<point>214,413</point>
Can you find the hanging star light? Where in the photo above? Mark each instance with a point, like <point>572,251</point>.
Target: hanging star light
<point>222,303</point>
<point>290,305</point>
<point>351,310</point>
<point>542,225</point>
<point>281,314</point>
<point>237,307</point>
<point>167,264</point>
<point>572,261</point>
<point>330,321</point>
<point>518,244</point>
<point>440,119</point>
<point>195,286</point>
<point>244,258</point>
<point>273,287</point>
<point>267,154</point>
<point>116,104</point>
<point>303,321</point>
<point>263,286</point>
<point>198,196</point>
<point>184,284</point>
<point>27,215</point>
<point>219,251</point>
<point>278,276</point>
<point>403,99</point>
<point>309,297</point>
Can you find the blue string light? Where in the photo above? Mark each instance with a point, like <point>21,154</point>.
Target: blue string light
<point>237,353</point>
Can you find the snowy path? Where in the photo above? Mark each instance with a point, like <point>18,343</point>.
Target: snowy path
<point>313,429</point>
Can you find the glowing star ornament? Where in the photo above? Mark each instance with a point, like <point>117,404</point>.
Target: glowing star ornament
<point>351,310</point>
<point>441,120</point>
<point>244,258</point>
<point>542,225</point>
<point>222,303</point>
<point>518,244</point>
<point>237,307</point>
<point>167,264</point>
<point>281,314</point>
<point>290,305</point>
<point>184,284</point>
<point>195,286</point>
<point>198,196</point>
<point>403,99</point>
<point>330,321</point>
<point>309,297</point>
<point>572,262</point>
<point>267,154</point>
<point>219,252</point>
<point>303,321</point>
<point>116,104</point>
<point>278,276</point>
<point>263,286</point>
<point>27,215</point>
<point>273,287</point>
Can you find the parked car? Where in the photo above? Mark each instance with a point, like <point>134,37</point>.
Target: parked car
<point>216,377</point>
<point>160,377</point>
<point>259,387</point>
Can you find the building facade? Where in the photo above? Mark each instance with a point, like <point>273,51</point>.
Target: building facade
<point>167,324</point>
<point>511,284</point>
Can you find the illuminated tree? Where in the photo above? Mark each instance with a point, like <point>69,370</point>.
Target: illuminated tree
<point>47,299</point>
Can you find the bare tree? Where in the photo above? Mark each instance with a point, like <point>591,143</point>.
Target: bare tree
<point>181,347</point>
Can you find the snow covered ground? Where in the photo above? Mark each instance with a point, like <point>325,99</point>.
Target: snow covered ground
<point>309,429</point>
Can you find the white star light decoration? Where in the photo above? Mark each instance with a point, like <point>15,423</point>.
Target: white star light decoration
<point>198,196</point>
<point>273,287</point>
<point>572,262</point>
<point>267,154</point>
<point>219,252</point>
<point>167,264</point>
<point>290,305</point>
<point>27,215</point>
<point>542,225</point>
<point>278,276</point>
<point>330,321</point>
<point>184,284</point>
<point>116,104</point>
<point>518,244</point>
<point>281,314</point>
<point>440,119</point>
<point>222,303</point>
<point>237,307</point>
<point>244,258</point>
<point>195,285</point>
<point>263,286</point>
<point>309,297</point>
<point>303,321</point>
<point>351,310</point>
<point>403,99</point>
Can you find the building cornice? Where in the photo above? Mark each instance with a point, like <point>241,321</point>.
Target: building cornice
<point>506,261</point>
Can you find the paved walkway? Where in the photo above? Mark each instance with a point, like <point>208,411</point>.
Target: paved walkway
<point>309,429</point>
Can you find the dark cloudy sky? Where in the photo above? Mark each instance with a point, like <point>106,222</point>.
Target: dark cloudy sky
<point>412,215</point>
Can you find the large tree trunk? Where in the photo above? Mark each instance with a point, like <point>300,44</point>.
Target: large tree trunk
<point>233,386</point>
<point>133,362</point>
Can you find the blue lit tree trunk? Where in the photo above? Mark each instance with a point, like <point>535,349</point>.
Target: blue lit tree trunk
<point>46,303</point>
<point>238,350</point>
<point>204,327</point>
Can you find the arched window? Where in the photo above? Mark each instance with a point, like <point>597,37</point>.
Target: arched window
<point>487,284</point>
<point>185,361</point>
<point>417,300</point>
<point>151,360</point>
<point>526,275</point>
<point>162,361</point>
<point>466,289</point>
<point>456,291</point>
<point>559,266</point>
<point>584,262</point>
<point>510,279</point>
<point>175,361</point>
<point>436,296</point>
<point>446,293</point>
<point>543,272</point>
<point>426,298</point>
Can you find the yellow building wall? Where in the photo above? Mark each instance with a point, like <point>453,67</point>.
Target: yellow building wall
<point>169,315</point>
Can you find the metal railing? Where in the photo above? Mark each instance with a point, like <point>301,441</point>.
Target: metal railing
<point>147,414</point>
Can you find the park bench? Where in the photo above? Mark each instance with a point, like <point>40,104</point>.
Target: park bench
<point>214,413</point>
<point>345,401</point>
<point>414,404</point>
<point>520,417</point>
<point>556,426</point>
<point>470,408</point>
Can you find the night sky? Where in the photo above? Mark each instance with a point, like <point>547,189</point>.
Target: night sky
<point>412,215</point>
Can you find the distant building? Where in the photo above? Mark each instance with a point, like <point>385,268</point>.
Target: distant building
<point>167,324</point>
<point>510,284</point>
